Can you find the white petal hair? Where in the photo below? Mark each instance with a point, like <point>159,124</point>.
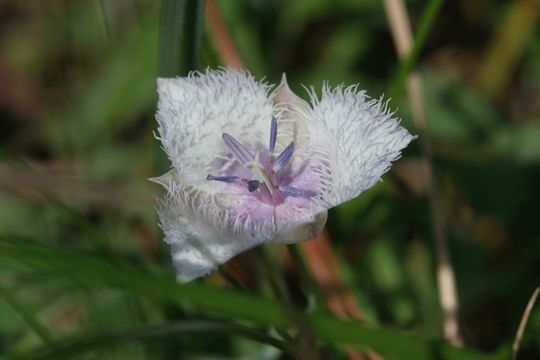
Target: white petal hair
<point>355,138</point>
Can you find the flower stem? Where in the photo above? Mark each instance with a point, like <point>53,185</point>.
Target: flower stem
<point>311,287</point>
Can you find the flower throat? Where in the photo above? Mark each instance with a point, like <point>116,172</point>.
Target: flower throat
<point>269,179</point>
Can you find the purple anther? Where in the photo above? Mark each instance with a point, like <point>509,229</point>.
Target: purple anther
<point>295,192</point>
<point>239,150</point>
<point>273,135</point>
<point>283,159</point>
<point>227,179</point>
<point>253,185</point>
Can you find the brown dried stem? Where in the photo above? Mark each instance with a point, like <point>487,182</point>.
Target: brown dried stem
<point>523,323</point>
<point>403,40</point>
<point>224,43</point>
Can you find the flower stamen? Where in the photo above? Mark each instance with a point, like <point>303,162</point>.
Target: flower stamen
<point>295,192</point>
<point>253,185</point>
<point>265,169</point>
<point>227,179</point>
<point>283,159</point>
<point>273,135</point>
<point>239,150</point>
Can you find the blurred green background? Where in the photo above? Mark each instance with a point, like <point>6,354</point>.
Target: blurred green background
<point>77,103</point>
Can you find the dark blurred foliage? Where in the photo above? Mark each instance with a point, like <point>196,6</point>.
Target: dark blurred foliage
<point>77,98</point>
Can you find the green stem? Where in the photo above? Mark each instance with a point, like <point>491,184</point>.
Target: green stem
<point>424,26</point>
<point>311,286</point>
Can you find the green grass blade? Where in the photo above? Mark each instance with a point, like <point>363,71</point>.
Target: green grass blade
<point>94,271</point>
<point>30,318</point>
<point>180,35</point>
<point>78,345</point>
<point>424,26</point>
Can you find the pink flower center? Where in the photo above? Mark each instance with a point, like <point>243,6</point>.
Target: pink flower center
<point>269,176</point>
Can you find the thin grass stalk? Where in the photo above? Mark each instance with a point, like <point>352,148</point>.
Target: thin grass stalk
<point>84,269</point>
<point>224,43</point>
<point>79,345</point>
<point>523,323</point>
<point>401,32</point>
<point>507,48</point>
<point>408,52</point>
<point>30,318</point>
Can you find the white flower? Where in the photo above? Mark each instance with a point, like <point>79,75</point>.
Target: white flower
<point>252,164</point>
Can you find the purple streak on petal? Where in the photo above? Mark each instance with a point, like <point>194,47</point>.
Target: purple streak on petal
<point>253,185</point>
<point>283,159</point>
<point>295,192</point>
<point>239,150</point>
<point>227,179</point>
<point>273,135</point>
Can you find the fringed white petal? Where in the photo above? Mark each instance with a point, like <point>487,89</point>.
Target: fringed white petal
<point>205,230</point>
<point>292,122</point>
<point>198,229</point>
<point>194,111</point>
<point>353,139</point>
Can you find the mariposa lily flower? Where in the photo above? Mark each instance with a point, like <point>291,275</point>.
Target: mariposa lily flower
<point>255,164</point>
